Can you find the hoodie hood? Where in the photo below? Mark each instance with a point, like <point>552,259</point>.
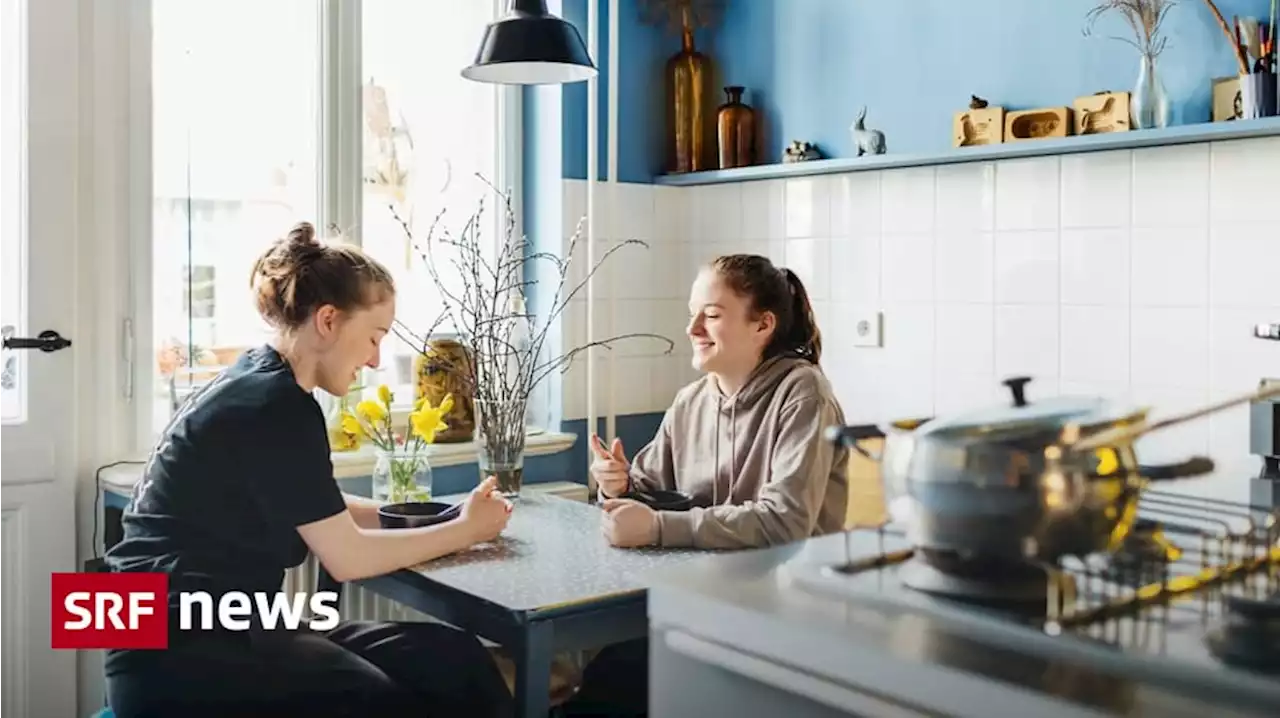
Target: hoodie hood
<point>762,381</point>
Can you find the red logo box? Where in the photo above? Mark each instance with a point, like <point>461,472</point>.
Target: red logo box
<point>110,610</point>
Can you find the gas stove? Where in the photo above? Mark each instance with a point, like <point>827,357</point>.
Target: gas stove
<point>1191,600</point>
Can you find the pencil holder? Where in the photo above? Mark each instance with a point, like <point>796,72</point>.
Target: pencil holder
<point>1258,95</point>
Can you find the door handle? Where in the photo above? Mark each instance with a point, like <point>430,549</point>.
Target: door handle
<point>48,341</point>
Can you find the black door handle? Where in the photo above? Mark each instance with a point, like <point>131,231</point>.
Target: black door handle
<point>1267,331</point>
<point>48,341</point>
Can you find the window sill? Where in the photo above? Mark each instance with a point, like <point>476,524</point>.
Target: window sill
<point>360,463</point>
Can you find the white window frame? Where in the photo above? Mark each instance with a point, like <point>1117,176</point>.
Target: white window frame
<point>340,182</point>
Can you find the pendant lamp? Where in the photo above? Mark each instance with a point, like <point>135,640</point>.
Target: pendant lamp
<point>530,46</point>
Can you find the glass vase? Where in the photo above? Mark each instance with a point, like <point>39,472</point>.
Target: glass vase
<point>500,443</point>
<point>401,476</point>
<point>340,440</point>
<point>1149,105</point>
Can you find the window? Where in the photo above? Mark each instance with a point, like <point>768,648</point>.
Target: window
<point>427,134</point>
<point>250,136</point>
<point>13,231</point>
<point>234,151</point>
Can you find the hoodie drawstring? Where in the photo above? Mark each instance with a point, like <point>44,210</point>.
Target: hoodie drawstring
<point>715,474</point>
<point>733,451</point>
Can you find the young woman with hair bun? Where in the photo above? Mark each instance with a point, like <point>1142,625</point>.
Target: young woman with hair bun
<point>240,488</point>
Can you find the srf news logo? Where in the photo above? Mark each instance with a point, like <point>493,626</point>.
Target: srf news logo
<point>130,610</point>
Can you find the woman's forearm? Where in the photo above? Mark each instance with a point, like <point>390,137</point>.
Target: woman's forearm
<point>364,510</point>
<point>350,552</point>
<point>387,550</point>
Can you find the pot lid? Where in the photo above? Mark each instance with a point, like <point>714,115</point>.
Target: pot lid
<point>1019,418</point>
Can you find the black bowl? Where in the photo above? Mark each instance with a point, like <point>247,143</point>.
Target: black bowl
<point>662,500</point>
<point>415,514</point>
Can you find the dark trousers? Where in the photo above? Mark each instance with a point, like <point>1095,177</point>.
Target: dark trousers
<point>615,683</point>
<point>356,669</point>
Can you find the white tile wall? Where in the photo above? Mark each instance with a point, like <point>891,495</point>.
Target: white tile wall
<point>1133,274</point>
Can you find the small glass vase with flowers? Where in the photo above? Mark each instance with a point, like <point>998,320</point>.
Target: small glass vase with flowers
<point>403,472</point>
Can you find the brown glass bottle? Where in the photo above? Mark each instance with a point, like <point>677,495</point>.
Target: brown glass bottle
<point>736,131</point>
<point>689,119</point>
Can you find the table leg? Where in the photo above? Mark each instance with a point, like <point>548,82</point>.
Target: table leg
<point>533,670</point>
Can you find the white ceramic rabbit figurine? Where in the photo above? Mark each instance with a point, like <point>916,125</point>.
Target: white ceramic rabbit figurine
<point>867,141</point>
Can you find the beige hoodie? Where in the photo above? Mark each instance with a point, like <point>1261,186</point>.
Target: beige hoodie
<point>756,464</point>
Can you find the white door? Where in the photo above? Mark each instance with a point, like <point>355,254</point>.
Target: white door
<point>39,50</point>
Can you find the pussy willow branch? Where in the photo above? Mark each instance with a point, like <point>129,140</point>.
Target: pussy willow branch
<point>500,372</point>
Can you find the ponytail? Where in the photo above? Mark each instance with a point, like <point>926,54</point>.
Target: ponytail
<point>780,292</point>
<point>803,337</point>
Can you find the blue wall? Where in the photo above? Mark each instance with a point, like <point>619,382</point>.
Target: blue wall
<point>643,51</point>
<point>811,64</point>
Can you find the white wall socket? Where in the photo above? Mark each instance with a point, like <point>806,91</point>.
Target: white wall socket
<point>868,328</point>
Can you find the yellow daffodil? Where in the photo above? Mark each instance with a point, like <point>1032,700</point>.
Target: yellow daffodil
<point>428,420</point>
<point>352,425</point>
<point>384,395</point>
<point>371,411</point>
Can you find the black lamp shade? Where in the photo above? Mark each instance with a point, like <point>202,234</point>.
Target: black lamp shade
<point>530,46</point>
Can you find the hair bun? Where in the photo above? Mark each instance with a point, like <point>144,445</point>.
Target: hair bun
<point>302,234</point>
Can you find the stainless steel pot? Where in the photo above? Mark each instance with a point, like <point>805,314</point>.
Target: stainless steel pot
<point>1026,479</point>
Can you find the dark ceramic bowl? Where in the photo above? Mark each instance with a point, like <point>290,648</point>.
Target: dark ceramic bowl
<point>662,500</point>
<point>415,514</point>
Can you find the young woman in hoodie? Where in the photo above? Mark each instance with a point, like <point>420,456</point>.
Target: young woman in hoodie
<point>745,441</point>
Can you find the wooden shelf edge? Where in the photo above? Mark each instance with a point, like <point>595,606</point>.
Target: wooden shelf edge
<point>1075,144</point>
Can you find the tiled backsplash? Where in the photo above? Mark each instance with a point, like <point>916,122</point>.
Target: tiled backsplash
<point>1133,274</point>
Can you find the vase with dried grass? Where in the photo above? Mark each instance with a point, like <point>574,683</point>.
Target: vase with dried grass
<point>1149,104</point>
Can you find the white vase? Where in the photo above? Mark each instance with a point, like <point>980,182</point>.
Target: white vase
<point>1149,105</point>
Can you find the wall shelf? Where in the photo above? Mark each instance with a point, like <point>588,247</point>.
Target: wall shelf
<point>1179,135</point>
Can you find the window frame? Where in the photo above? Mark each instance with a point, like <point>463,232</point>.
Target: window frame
<point>340,181</point>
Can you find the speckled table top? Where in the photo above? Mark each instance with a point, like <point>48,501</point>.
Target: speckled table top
<point>551,554</point>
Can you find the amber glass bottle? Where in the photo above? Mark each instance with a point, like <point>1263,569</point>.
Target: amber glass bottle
<point>689,118</point>
<point>736,131</point>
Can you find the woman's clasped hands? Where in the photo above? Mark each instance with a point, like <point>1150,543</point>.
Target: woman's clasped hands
<point>624,522</point>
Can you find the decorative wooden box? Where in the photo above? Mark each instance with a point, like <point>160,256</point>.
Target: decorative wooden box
<point>1038,124</point>
<point>1102,112</point>
<point>1227,101</point>
<point>978,127</point>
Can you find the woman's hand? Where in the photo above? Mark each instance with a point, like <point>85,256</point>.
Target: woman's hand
<point>485,512</point>
<point>628,524</point>
<point>610,468</point>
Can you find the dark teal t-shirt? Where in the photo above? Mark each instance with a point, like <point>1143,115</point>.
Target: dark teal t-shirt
<point>241,465</point>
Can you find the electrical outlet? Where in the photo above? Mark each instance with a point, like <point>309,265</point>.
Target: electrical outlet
<point>868,328</point>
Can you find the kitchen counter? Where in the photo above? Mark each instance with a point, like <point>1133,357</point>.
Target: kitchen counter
<point>834,655</point>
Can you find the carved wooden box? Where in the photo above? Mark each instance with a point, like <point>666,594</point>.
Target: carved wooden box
<point>1038,124</point>
<point>1102,112</point>
<point>978,127</point>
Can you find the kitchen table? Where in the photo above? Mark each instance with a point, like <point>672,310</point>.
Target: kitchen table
<point>550,583</point>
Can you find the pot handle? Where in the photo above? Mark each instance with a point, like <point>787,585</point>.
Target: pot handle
<point>851,435</point>
<point>1190,468</point>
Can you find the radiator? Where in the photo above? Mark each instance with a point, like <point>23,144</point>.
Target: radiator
<point>358,604</point>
